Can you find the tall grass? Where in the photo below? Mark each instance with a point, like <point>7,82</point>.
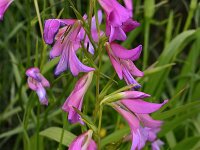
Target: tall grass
<point>170,36</point>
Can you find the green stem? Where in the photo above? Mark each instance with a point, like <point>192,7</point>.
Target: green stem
<point>99,126</point>
<point>146,42</point>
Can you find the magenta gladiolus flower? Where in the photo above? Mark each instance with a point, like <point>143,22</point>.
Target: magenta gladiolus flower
<point>83,142</point>
<point>4,4</point>
<point>121,60</point>
<point>37,82</point>
<point>136,112</point>
<point>68,35</point>
<point>66,45</point>
<point>75,99</point>
<point>118,19</point>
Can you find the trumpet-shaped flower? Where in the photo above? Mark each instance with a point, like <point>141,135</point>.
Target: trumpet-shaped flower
<point>118,19</point>
<point>75,99</point>
<point>4,4</point>
<point>122,61</point>
<point>136,113</point>
<point>83,142</point>
<point>66,45</point>
<point>37,82</point>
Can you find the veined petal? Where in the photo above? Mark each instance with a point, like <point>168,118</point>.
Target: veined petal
<point>142,107</point>
<point>123,53</point>
<point>4,4</point>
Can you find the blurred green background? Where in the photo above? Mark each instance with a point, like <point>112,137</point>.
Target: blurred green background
<point>170,36</point>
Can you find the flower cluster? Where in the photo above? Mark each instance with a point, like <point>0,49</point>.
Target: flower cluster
<point>67,37</point>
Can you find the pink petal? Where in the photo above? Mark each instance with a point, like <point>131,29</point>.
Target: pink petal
<point>134,95</point>
<point>128,4</point>
<point>148,121</point>
<point>129,65</point>
<point>129,117</point>
<point>56,49</point>
<point>123,53</point>
<point>139,138</point>
<point>129,78</point>
<point>115,62</point>
<point>4,4</point>
<point>32,83</point>
<point>142,107</point>
<point>76,66</point>
<point>130,25</point>
<point>64,61</point>
<point>116,33</point>
<point>41,92</point>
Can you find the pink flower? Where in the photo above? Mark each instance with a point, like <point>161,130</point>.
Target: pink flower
<point>136,112</point>
<point>83,142</point>
<point>66,45</point>
<point>118,19</point>
<point>37,82</point>
<point>68,35</point>
<point>75,99</point>
<point>121,60</point>
<point>4,4</point>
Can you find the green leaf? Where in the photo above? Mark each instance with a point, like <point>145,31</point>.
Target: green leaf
<point>187,144</point>
<point>116,136</point>
<point>177,110</point>
<point>55,133</point>
<point>156,81</point>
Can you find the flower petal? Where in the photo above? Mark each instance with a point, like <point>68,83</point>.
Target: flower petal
<point>76,66</point>
<point>129,65</point>
<point>116,33</point>
<point>115,62</point>
<point>148,121</point>
<point>4,4</point>
<point>51,27</point>
<point>129,78</point>
<point>142,107</point>
<point>63,62</point>
<point>123,53</point>
<point>130,25</point>
<point>134,95</point>
<point>41,92</point>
